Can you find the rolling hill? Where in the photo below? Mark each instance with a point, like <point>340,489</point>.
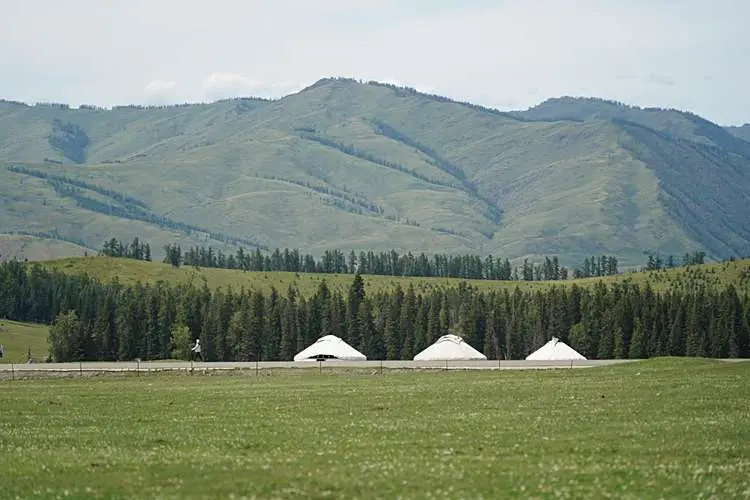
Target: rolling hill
<point>14,246</point>
<point>19,338</point>
<point>129,271</point>
<point>742,132</point>
<point>351,165</point>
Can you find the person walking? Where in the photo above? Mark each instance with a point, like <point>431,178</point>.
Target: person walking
<point>197,350</point>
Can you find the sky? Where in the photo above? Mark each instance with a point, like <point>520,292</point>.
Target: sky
<point>692,55</point>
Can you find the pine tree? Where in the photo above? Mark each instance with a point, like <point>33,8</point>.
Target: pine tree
<point>256,327</point>
<point>607,343</point>
<point>62,336</point>
<point>677,342</point>
<point>491,344</point>
<point>339,317</point>
<point>271,341</point>
<point>577,337</point>
<point>371,343</point>
<point>619,343</point>
<point>433,319</point>
<point>692,328</point>
<point>181,340</point>
<point>238,325</point>
<point>406,324</point>
<point>289,326</point>
<point>354,300</point>
<point>390,334</point>
<point>420,325</point>
<point>637,349</point>
<point>305,332</point>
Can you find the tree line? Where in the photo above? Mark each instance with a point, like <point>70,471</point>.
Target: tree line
<point>657,262</point>
<point>137,249</point>
<point>92,320</point>
<point>390,263</point>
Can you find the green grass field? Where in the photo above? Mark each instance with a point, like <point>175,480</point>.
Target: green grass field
<point>18,338</point>
<point>662,428</point>
<point>129,271</point>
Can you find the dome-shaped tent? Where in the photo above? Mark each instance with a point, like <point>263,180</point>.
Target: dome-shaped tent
<point>448,348</point>
<point>554,350</point>
<point>329,347</point>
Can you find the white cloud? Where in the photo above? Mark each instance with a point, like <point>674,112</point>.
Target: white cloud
<point>161,92</point>
<point>228,80</point>
<point>160,85</point>
<point>221,85</point>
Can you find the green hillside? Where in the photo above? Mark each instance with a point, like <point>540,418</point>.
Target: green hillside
<point>128,271</point>
<point>17,338</point>
<point>349,165</point>
<point>742,132</point>
<point>14,246</point>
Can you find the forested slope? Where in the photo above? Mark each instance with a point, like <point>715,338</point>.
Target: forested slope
<point>96,320</point>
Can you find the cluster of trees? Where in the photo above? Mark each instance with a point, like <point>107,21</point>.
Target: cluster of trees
<point>340,195</point>
<point>352,150</point>
<point>389,263</point>
<point>606,265</point>
<point>110,321</point>
<point>70,139</point>
<point>136,250</point>
<point>656,262</point>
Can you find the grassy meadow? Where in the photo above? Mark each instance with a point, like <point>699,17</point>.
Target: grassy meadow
<point>129,271</point>
<point>662,428</point>
<point>18,338</point>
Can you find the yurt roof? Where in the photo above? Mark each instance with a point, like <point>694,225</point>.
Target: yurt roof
<point>329,346</point>
<point>449,347</point>
<point>555,350</point>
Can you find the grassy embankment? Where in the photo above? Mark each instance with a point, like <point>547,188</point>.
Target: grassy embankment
<point>18,338</point>
<point>661,428</point>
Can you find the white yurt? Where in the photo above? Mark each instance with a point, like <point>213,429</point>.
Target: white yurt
<point>554,350</point>
<point>329,347</point>
<point>449,348</point>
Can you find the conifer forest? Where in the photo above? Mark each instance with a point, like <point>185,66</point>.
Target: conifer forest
<point>93,320</point>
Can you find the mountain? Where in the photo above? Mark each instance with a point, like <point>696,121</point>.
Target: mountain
<point>351,165</point>
<point>742,132</point>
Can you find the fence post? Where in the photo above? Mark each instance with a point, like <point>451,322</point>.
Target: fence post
<point>12,372</point>
<point>80,367</point>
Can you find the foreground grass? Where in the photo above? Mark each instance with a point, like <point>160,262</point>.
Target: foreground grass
<point>130,271</point>
<point>655,429</point>
<point>18,338</point>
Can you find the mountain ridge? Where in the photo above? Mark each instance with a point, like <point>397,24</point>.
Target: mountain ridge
<point>350,165</point>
